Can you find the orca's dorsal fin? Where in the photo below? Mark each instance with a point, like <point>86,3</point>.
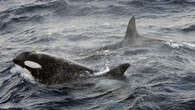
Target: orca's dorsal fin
<point>131,32</point>
<point>118,71</point>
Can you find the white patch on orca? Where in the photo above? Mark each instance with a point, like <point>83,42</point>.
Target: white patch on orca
<point>102,72</point>
<point>26,74</point>
<point>32,64</point>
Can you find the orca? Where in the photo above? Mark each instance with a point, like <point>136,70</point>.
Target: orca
<point>48,69</point>
<point>132,38</point>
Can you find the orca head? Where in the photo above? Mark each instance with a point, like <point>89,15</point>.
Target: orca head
<point>28,60</point>
<point>27,64</point>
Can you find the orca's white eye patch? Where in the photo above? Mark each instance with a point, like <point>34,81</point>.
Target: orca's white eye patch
<point>32,64</point>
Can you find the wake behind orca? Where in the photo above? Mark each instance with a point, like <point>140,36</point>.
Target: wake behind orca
<point>48,69</point>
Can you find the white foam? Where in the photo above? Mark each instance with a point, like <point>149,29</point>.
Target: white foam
<point>102,72</point>
<point>189,44</point>
<point>180,44</point>
<point>173,44</point>
<point>24,73</point>
<point>39,52</point>
<point>32,64</point>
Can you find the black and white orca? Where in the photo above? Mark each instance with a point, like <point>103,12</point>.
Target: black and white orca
<point>48,69</point>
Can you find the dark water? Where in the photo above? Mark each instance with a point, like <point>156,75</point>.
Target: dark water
<point>161,76</point>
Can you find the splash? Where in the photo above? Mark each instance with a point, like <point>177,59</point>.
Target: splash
<point>23,72</point>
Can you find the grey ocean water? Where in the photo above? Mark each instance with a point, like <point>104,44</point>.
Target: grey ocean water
<point>161,76</point>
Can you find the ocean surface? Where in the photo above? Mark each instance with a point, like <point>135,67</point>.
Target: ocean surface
<point>161,76</point>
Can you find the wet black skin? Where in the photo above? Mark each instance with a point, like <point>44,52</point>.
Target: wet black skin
<point>57,70</point>
<point>53,70</point>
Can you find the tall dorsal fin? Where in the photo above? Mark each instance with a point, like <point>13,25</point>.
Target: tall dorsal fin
<point>131,32</point>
